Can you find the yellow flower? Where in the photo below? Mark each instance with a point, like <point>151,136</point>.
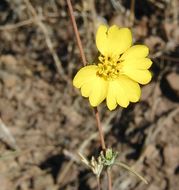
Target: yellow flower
<point>119,69</point>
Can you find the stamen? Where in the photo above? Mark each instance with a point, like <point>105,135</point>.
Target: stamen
<point>109,67</point>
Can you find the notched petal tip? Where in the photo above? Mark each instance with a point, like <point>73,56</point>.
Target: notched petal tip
<point>113,40</point>
<point>119,40</point>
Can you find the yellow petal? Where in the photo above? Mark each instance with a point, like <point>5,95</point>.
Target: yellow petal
<point>111,96</point>
<point>131,88</point>
<point>101,39</point>
<point>98,91</point>
<point>137,51</point>
<point>140,76</point>
<point>116,95</point>
<point>113,41</point>
<point>87,88</point>
<point>139,63</point>
<point>120,39</point>
<point>84,74</point>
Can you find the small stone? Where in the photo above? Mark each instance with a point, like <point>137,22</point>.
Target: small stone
<point>173,79</point>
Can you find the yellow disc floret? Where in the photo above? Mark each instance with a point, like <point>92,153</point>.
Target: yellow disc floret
<point>109,67</point>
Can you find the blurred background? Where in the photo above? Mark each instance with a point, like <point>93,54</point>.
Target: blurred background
<point>44,122</point>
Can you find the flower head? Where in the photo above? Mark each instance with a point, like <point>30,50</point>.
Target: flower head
<point>118,72</point>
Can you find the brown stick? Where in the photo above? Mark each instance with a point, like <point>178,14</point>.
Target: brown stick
<point>99,184</point>
<point>132,12</point>
<point>71,12</point>
<point>101,135</point>
<point>109,179</point>
<point>100,129</point>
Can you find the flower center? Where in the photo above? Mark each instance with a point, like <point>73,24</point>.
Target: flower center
<point>109,67</point>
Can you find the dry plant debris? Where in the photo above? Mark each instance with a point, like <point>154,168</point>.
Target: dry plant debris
<point>48,119</point>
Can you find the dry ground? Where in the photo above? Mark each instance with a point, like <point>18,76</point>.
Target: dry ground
<point>45,121</point>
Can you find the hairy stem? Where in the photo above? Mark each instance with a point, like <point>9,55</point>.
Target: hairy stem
<point>75,28</point>
<point>99,184</point>
<point>100,129</point>
<point>101,135</point>
<point>132,12</point>
<point>109,179</point>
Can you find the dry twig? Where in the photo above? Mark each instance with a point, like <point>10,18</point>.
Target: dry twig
<point>83,146</point>
<point>47,38</point>
<point>17,25</point>
<point>6,136</point>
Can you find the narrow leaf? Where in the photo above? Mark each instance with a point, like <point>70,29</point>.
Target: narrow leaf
<point>133,171</point>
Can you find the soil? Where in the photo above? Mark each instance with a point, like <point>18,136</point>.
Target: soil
<point>44,122</point>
